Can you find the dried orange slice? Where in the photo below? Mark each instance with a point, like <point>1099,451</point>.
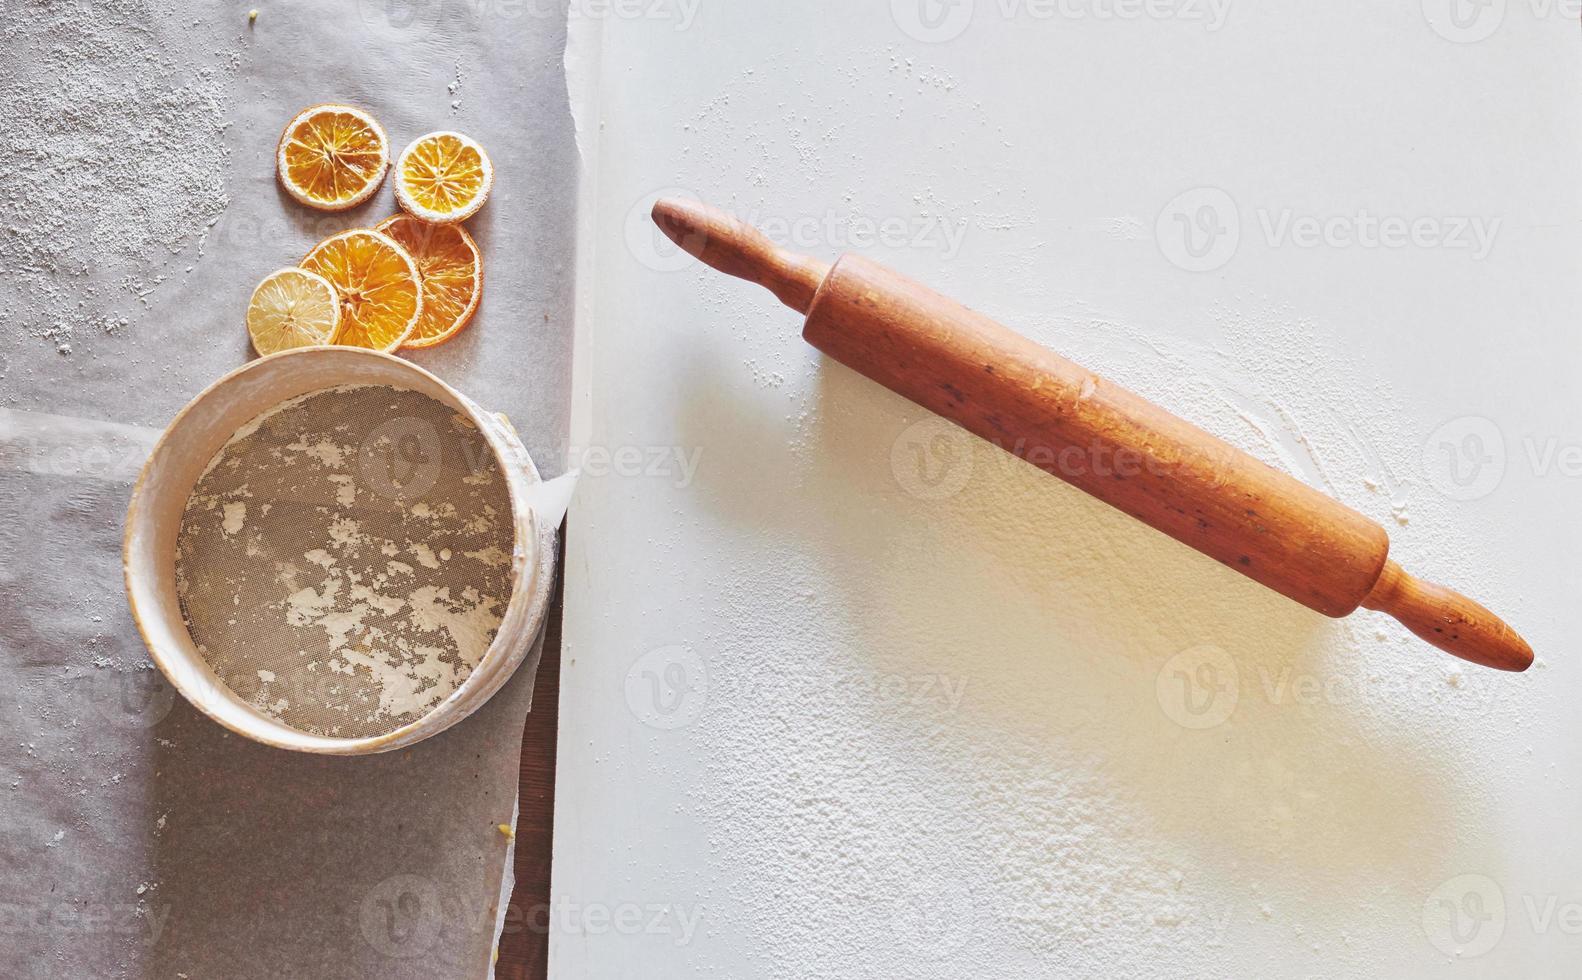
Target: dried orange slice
<point>451,271</point>
<point>381,295</point>
<point>332,157</point>
<point>293,308</point>
<point>443,177</point>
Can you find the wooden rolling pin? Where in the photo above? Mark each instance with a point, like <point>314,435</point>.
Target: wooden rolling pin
<point>1097,436</point>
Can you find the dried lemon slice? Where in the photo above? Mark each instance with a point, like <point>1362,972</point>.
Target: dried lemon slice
<point>293,308</point>
<point>332,157</point>
<point>443,177</point>
<point>451,271</point>
<point>381,295</point>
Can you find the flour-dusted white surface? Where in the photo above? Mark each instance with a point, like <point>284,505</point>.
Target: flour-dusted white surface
<point>870,699</point>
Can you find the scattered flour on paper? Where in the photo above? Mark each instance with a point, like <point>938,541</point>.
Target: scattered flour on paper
<point>125,168</point>
<point>345,560</point>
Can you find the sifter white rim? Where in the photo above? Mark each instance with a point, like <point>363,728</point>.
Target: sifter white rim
<point>172,650</point>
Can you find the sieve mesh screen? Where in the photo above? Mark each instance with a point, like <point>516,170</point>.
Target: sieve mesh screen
<point>345,560</point>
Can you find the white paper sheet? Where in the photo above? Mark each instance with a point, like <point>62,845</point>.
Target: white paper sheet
<point>845,695</point>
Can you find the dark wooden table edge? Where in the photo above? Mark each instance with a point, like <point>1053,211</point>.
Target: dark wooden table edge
<point>524,942</point>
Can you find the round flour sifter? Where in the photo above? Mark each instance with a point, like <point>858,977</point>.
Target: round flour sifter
<point>333,551</point>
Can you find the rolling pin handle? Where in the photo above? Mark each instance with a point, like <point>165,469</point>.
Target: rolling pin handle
<point>732,246</point>
<point>1449,620</point>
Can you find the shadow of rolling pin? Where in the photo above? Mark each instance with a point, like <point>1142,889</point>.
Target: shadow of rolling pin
<point>1097,436</point>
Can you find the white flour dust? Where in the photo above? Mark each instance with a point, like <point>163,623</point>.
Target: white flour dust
<point>345,560</point>
<point>123,154</point>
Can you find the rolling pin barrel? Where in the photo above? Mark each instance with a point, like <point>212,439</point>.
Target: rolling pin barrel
<point>1095,435</point>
